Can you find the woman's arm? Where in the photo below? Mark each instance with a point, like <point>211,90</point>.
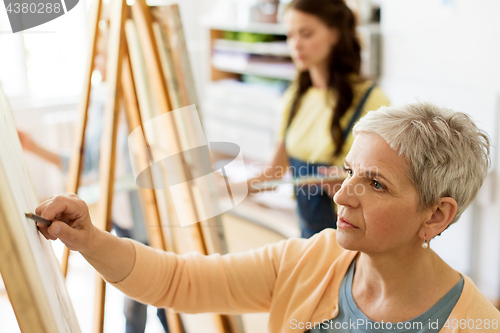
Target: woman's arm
<point>233,283</point>
<point>111,256</point>
<point>275,170</point>
<point>278,168</point>
<point>30,145</point>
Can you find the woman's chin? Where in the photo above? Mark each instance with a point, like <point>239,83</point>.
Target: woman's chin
<point>301,66</point>
<point>346,241</point>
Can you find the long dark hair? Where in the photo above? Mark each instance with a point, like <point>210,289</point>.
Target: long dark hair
<point>345,59</point>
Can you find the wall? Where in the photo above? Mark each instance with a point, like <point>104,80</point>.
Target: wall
<point>448,52</point>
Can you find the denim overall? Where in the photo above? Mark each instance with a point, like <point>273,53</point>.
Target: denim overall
<point>315,207</point>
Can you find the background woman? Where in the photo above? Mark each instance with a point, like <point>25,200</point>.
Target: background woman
<point>322,105</point>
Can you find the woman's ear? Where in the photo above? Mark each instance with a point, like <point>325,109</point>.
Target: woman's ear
<point>443,213</point>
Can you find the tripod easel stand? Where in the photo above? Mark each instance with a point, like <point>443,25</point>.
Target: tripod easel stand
<point>120,85</point>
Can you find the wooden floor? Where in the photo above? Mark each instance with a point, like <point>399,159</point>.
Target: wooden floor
<point>241,236</point>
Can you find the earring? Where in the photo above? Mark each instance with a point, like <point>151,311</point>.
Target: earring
<point>425,244</point>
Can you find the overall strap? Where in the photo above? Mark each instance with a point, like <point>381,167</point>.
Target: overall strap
<point>359,110</point>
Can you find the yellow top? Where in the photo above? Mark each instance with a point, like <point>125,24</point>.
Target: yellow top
<point>308,137</point>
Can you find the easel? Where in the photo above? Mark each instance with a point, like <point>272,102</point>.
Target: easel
<point>121,88</point>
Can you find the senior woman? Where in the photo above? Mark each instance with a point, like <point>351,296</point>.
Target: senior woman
<point>412,171</point>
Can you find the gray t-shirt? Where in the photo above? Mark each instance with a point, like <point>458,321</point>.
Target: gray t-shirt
<point>351,319</point>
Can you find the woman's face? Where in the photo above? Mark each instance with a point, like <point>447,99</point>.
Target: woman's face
<point>378,206</point>
<point>309,39</point>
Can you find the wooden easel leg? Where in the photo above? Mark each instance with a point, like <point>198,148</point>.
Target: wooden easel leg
<point>64,262</point>
<point>174,321</point>
<point>111,111</point>
<point>75,165</point>
<point>142,17</point>
<point>100,293</point>
<point>108,141</point>
<point>148,197</point>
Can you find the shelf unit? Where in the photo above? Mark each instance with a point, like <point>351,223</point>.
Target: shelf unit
<point>247,114</point>
<point>262,48</point>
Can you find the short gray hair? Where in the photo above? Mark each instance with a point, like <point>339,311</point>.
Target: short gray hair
<point>446,153</point>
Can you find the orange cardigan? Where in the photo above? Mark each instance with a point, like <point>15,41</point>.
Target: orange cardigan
<point>296,280</point>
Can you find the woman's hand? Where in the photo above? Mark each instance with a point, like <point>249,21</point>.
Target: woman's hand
<point>27,142</point>
<point>111,256</point>
<point>71,221</point>
<point>30,145</point>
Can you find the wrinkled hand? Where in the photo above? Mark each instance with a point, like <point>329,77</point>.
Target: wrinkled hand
<point>71,221</point>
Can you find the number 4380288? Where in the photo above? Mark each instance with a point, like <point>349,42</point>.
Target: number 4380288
<point>33,8</point>
<point>476,324</point>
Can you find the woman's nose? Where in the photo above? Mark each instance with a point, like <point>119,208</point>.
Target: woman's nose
<point>293,44</point>
<point>347,195</point>
<point>298,44</point>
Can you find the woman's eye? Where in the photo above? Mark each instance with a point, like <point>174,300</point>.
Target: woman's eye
<point>308,35</point>
<point>349,171</point>
<point>377,185</point>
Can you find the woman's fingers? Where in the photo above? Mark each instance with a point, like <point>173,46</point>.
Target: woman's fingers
<point>70,221</point>
<point>43,230</point>
<point>74,239</point>
<point>66,206</point>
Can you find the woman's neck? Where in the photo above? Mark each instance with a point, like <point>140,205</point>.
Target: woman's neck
<point>400,286</point>
<point>319,76</point>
